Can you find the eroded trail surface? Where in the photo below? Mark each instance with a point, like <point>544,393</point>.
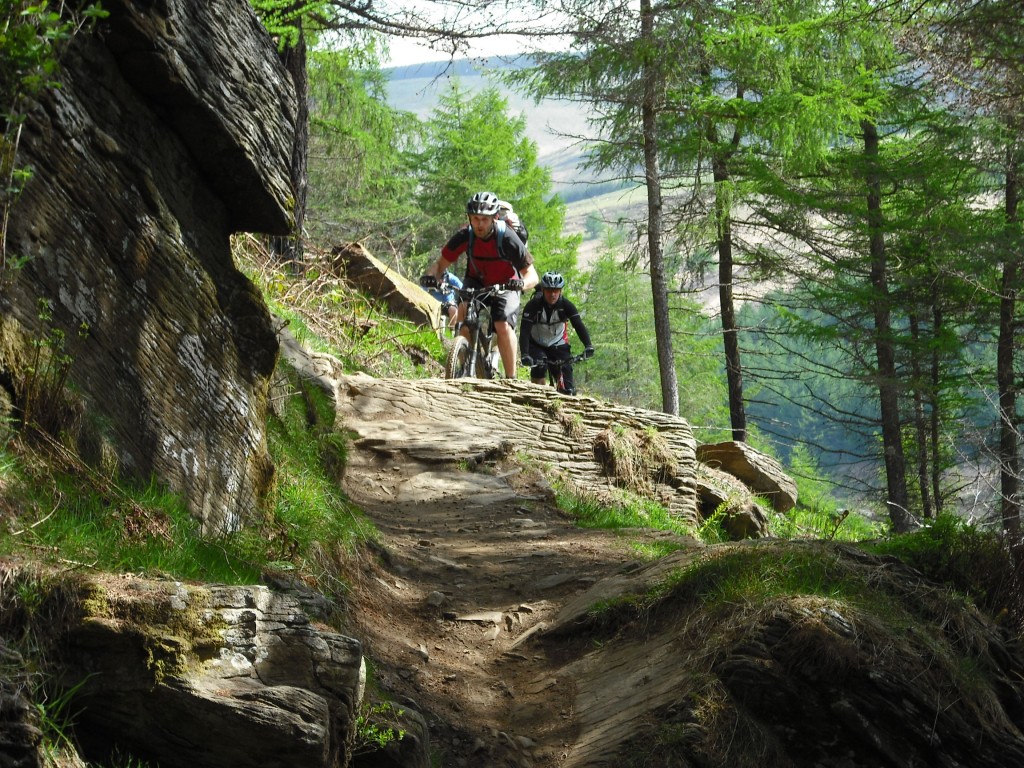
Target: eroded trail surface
<point>475,565</point>
<point>469,615</point>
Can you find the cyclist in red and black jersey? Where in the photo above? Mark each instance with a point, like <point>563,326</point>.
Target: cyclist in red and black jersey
<point>494,256</point>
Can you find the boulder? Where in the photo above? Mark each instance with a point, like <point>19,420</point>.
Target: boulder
<point>172,128</point>
<point>761,473</point>
<point>424,419</point>
<point>402,296</point>
<point>204,676</point>
<point>721,493</point>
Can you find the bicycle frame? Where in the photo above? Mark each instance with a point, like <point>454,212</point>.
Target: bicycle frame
<point>469,358</point>
<point>558,382</point>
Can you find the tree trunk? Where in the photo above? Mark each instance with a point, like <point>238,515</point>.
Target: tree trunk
<point>1009,454</point>
<point>935,426</point>
<point>885,352</point>
<point>659,283</point>
<point>921,430</point>
<point>730,331</point>
<point>726,275</point>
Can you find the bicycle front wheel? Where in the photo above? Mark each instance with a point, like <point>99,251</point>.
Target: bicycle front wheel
<point>459,355</point>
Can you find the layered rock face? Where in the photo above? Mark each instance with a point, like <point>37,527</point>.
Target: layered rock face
<point>172,129</point>
<point>188,676</point>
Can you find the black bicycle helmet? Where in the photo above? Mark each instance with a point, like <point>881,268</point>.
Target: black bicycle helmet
<point>483,204</point>
<point>552,280</point>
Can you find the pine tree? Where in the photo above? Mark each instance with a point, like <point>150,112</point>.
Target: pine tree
<point>472,144</point>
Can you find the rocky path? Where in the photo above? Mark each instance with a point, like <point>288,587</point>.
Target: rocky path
<point>477,566</point>
<point>474,566</point>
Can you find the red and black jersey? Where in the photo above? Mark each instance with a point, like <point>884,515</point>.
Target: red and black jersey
<point>496,259</point>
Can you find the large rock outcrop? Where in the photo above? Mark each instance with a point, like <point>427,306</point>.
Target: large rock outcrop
<point>187,676</point>
<point>172,129</point>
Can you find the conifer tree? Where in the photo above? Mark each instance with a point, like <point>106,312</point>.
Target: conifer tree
<point>362,183</point>
<point>471,144</point>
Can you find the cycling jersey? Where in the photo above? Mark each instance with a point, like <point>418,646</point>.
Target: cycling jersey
<point>487,263</point>
<point>547,324</point>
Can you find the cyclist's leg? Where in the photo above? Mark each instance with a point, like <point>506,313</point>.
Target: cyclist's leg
<point>449,314</point>
<point>565,378</point>
<point>504,311</point>
<point>537,372</point>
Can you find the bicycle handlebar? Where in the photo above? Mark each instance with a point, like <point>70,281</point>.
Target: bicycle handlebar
<point>555,363</point>
<point>468,294</point>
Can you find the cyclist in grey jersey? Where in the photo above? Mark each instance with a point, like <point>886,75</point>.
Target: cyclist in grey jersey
<point>544,336</point>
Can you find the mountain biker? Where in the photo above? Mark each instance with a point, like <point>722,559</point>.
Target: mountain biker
<point>546,318</point>
<point>494,256</point>
<point>446,292</point>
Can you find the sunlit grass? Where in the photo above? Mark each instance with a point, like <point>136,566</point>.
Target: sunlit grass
<point>326,315</point>
<point>58,518</point>
<point>747,575</point>
<point>654,550</point>
<point>828,523</point>
<point>630,511</point>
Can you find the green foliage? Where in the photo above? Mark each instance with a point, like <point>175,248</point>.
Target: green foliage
<point>971,559</point>
<point>617,309</point>
<point>74,517</point>
<point>711,530</point>
<point>758,575</point>
<point>56,719</point>
<point>42,395</point>
<point>311,526</point>
<point>817,514</point>
<point>361,180</point>
<point>472,144</point>
<point>327,315</point>
<point>377,726</point>
<point>620,510</point>
<point>285,19</point>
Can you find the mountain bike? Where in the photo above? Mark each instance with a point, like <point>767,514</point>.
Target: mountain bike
<point>477,356</point>
<point>558,382</point>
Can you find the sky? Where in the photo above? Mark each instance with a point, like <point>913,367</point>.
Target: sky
<point>405,51</point>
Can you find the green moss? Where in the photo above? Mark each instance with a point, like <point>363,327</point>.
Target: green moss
<point>166,656</point>
<point>94,602</point>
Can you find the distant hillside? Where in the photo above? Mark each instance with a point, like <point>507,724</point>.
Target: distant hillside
<point>551,123</point>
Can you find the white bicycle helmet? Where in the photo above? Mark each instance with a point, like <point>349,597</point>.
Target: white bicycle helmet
<point>482,204</point>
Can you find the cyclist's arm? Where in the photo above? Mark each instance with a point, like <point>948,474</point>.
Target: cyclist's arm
<point>577,323</point>
<point>524,336</point>
<point>529,277</point>
<point>525,328</point>
<point>450,253</point>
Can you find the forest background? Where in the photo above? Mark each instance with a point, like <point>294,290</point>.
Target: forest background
<point>794,223</point>
<point>800,219</point>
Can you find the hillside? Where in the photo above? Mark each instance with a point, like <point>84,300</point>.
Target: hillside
<point>552,124</point>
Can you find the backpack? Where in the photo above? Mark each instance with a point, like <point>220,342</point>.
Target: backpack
<point>499,235</point>
<point>513,220</point>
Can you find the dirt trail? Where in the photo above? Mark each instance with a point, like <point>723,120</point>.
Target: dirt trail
<point>475,566</point>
